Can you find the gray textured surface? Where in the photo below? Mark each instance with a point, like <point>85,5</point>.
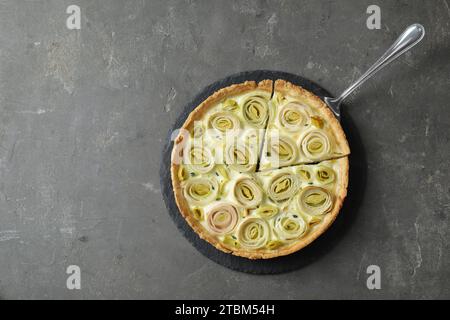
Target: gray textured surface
<point>83,116</point>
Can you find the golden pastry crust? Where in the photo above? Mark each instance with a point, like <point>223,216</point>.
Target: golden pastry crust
<point>199,112</point>
<point>290,89</point>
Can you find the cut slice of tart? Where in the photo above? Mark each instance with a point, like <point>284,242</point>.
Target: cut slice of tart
<point>301,129</point>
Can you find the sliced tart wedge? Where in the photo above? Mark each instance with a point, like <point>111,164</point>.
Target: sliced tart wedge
<point>301,129</point>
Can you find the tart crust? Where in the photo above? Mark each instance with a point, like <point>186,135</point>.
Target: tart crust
<point>265,85</point>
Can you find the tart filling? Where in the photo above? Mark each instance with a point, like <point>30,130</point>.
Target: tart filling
<point>259,172</point>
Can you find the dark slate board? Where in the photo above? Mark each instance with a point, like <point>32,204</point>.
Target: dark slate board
<point>319,247</point>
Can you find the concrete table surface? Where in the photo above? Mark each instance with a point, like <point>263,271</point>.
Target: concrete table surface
<point>84,115</point>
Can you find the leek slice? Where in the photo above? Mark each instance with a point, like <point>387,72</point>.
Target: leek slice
<point>182,174</point>
<point>197,212</point>
<point>267,211</point>
<point>230,105</point>
<point>223,172</point>
<point>305,173</point>
<point>231,241</point>
<point>274,244</point>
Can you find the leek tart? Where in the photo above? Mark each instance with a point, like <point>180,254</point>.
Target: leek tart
<point>260,170</point>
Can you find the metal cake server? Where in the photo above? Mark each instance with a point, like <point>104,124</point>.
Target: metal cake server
<point>408,39</point>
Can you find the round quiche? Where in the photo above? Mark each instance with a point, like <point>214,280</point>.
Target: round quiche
<point>260,170</point>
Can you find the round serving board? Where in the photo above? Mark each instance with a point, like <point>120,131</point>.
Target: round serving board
<point>263,266</point>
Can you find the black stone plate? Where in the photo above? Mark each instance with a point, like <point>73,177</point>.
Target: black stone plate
<point>300,258</point>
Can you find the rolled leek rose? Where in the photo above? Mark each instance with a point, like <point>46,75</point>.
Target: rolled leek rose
<point>293,116</point>
<point>315,201</point>
<point>282,151</point>
<point>239,157</point>
<point>201,190</point>
<point>255,110</point>
<point>289,226</point>
<point>199,159</point>
<point>253,233</point>
<point>325,175</point>
<point>315,144</point>
<point>248,193</point>
<point>222,218</point>
<point>282,187</point>
<point>267,211</point>
<point>224,122</point>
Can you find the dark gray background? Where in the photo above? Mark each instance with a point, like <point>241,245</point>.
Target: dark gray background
<point>84,115</point>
